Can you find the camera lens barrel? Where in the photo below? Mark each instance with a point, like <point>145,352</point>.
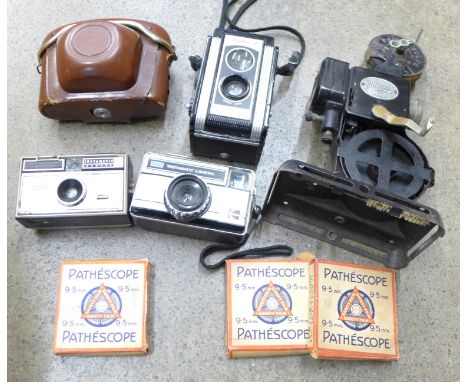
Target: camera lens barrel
<point>71,192</point>
<point>235,87</point>
<point>240,59</point>
<point>187,197</point>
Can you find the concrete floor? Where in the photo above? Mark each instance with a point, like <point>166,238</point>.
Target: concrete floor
<point>187,304</point>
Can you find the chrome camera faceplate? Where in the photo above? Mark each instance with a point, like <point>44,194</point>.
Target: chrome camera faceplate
<point>215,203</point>
<point>74,191</point>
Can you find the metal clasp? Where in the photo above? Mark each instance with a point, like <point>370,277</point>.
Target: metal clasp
<point>382,112</point>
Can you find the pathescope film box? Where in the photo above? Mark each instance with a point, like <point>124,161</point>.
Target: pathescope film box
<point>101,307</point>
<point>354,312</point>
<point>267,307</point>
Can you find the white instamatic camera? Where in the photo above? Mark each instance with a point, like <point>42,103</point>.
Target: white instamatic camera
<point>74,191</point>
<point>174,194</point>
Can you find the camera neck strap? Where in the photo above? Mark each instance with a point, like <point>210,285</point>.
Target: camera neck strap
<point>273,250</point>
<point>295,58</point>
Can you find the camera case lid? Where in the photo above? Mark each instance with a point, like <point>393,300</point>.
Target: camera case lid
<point>349,214</point>
<point>105,70</point>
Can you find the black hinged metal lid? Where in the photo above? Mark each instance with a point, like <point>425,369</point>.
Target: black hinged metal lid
<point>350,214</point>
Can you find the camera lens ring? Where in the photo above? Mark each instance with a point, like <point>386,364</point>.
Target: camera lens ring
<point>187,197</point>
<point>235,87</point>
<point>248,60</point>
<point>71,192</point>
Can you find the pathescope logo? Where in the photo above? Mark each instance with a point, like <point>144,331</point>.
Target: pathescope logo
<point>272,304</point>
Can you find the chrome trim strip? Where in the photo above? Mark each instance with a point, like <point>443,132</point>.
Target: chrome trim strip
<point>205,94</point>
<point>265,88</point>
<point>226,110</point>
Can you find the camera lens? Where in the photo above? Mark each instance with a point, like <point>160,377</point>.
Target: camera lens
<point>240,59</point>
<point>187,197</point>
<point>71,192</point>
<point>235,87</point>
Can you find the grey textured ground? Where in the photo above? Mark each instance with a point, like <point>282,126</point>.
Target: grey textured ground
<point>187,303</point>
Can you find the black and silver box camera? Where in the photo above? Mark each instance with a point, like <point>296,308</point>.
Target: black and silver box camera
<point>74,191</point>
<point>231,108</point>
<point>174,194</point>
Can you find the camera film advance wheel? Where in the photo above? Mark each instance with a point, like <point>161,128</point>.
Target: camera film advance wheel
<point>187,197</point>
<point>404,55</point>
<point>387,161</point>
<point>71,192</point>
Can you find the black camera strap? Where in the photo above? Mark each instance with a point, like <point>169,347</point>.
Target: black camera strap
<point>295,58</point>
<point>273,250</point>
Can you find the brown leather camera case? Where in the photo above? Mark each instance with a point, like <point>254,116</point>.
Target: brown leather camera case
<point>107,70</point>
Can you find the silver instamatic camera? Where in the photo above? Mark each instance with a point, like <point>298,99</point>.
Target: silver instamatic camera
<point>231,108</point>
<point>177,195</point>
<point>74,191</point>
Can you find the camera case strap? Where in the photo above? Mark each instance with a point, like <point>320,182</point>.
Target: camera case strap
<point>273,250</point>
